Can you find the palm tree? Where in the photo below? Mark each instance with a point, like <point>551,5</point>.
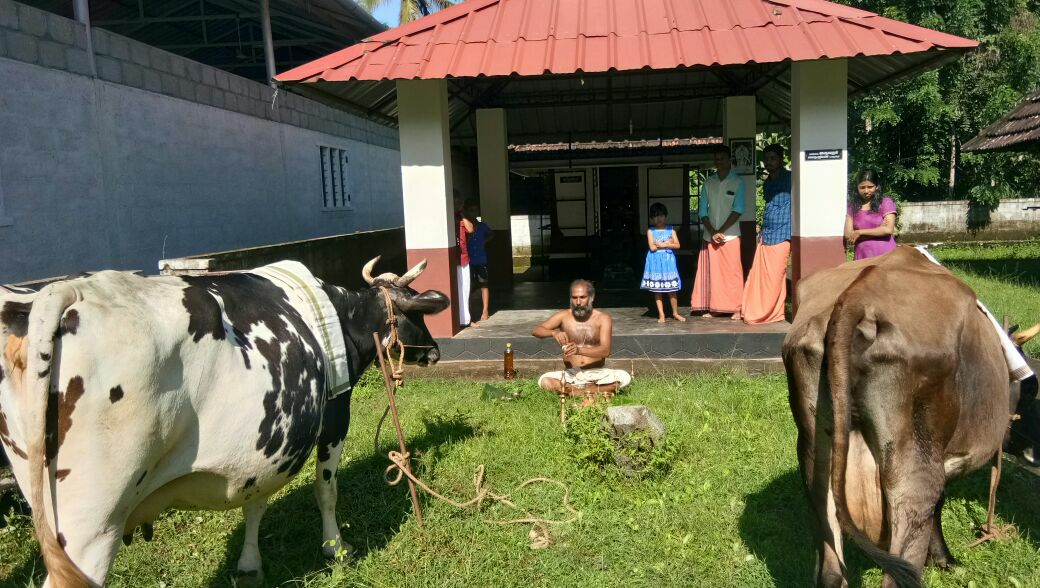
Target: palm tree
<point>410,9</point>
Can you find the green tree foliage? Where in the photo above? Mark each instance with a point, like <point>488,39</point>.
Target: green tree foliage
<point>911,131</point>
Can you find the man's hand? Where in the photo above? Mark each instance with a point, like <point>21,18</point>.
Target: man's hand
<point>570,349</point>
<point>718,238</point>
<point>561,338</point>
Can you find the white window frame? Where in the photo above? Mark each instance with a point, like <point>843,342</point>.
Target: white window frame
<point>334,170</point>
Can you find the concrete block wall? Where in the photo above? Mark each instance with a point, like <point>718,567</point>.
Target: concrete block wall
<point>956,220</point>
<point>159,156</point>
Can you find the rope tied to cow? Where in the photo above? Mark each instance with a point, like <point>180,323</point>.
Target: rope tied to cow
<point>400,466</point>
<point>539,533</point>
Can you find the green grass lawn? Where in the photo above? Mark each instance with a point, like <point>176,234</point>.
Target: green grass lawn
<point>1005,277</point>
<point>731,511</point>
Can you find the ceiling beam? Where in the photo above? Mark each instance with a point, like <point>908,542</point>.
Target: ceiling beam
<point>278,43</point>
<point>171,19</point>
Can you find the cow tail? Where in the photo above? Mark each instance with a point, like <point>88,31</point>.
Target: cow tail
<point>43,329</point>
<point>840,330</point>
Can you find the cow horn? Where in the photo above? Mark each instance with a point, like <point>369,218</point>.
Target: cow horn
<point>366,272</point>
<point>411,275</point>
<point>1022,337</point>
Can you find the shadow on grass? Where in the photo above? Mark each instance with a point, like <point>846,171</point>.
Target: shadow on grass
<point>1017,271</point>
<point>31,571</point>
<point>775,526</point>
<point>369,511</point>
<point>1016,498</point>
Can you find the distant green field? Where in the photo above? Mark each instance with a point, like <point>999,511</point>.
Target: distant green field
<point>731,513</point>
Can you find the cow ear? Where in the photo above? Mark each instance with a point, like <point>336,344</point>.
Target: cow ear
<point>429,302</point>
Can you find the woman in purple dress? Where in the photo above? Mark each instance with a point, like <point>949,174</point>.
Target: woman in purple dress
<point>870,222</point>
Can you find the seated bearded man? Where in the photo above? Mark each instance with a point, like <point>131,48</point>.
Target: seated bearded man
<point>584,334</point>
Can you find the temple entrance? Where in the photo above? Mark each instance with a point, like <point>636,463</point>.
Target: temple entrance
<point>621,250</point>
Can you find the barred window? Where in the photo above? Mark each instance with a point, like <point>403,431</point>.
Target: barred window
<point>335,188</point>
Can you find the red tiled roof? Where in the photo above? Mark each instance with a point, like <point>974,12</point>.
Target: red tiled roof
<point>535,37</point>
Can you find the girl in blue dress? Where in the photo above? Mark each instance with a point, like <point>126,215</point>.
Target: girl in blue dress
<point>661,275</point>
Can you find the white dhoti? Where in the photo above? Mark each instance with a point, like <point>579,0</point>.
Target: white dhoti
<point>580,378</point>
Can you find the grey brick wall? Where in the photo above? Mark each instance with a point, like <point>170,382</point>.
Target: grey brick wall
<point>35,36</point>
<point>153,160</point>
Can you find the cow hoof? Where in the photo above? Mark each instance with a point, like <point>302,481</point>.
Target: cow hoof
<point>147,531</point>
<point>943,562</point>
<point>128,539</point>
<point>249,579</point>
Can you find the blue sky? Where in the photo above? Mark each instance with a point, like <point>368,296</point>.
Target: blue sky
<point>388,13</point>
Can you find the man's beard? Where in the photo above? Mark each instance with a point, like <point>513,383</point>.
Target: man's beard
<point>580,311</point>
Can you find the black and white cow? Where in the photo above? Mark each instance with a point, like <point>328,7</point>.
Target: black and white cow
<point>123,396</point>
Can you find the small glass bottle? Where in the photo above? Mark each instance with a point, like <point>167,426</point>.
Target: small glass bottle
<point>507,363</point>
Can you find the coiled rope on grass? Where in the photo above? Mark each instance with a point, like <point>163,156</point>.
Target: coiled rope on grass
<point>539,533</point>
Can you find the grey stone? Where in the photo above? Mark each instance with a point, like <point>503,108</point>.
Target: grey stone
<point>52,55</point>
<point>119,47</point>
<point>194,70</point>
<point>133,75</point>
<point>32,21</point>
<point>203,94</point>
<point>160,59</point>
<point>109,69</point>
<point>223,79</point>
<point>176,64</point>
<point>633,418</point>
<point>186,90</point>
<point>76,61</point>
<point>8,14</point>
<point>22,47</point>
<point>100,38</point>
<point>208,76</point>
<point>152,81</point>
<point>139,53</point>
<point>237,85</point>
<point>170,84</point>
<point>81,36</point>
<point>60,29</point>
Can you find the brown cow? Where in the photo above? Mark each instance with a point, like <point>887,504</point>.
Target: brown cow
<point>897,383</point>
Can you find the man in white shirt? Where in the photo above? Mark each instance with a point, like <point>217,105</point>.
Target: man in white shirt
<point>719,284</point>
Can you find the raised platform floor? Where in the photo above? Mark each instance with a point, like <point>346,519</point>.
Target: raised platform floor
<point>637,335</point>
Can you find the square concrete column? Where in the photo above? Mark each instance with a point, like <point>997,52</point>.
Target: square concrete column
<point>739,122</point>
<point>819,156</point>
<point>493,174</point>
<point>429,216</point>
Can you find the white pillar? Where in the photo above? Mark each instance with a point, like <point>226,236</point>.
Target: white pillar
<point>81,11</point>
<point>739,122</point>
<point>429,220</point>
<point>493,175</point>
<point>819,155</point>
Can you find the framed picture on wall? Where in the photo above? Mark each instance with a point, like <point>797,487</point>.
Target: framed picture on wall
<point>743,156</point>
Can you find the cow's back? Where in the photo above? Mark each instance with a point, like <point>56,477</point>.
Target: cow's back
<point>174,392</point>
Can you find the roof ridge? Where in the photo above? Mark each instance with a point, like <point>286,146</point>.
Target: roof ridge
<point>861,17</point>
<point>795,26</point>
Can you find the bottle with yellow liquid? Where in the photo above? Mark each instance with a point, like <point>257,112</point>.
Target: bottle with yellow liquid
<point>507,363</point>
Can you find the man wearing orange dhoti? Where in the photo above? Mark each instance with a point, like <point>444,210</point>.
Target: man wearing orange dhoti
<point>766,289</point>
<point>719,282</point>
